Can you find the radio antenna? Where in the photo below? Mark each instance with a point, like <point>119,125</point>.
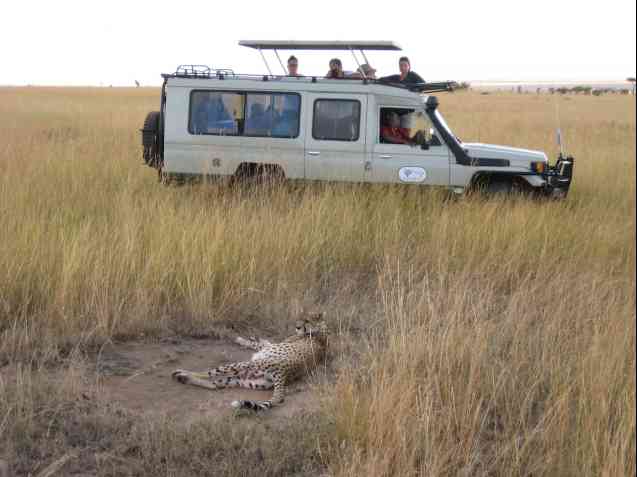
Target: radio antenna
<point>560,141</point>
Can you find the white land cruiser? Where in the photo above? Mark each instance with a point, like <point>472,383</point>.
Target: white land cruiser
<point>214,122</point>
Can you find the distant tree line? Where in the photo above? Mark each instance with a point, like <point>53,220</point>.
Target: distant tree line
<point>589,90</point>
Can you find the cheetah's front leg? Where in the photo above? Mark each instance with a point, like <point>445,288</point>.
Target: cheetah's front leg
<point>252,343</point>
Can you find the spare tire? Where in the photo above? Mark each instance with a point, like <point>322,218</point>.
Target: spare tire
<point>151,139</point>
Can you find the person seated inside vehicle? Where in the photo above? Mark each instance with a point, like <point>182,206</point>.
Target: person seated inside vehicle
<point>212,116</point>
<point>286,123</point>
<point>391,132</point>
<point>406,76</point>
<point>259,121</point>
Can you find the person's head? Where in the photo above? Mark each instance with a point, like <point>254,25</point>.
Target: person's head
<point>256,109</point>
<point>293,65</point>
<point>367,70</point>
<point>392,119</point>
<point>403,65</point>
<point>336,67</point>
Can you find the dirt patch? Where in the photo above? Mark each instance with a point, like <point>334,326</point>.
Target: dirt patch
<point>137,376</point>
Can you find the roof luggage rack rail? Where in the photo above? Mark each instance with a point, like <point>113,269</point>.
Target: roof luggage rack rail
<point>201,71</point>
<point>208,72</point>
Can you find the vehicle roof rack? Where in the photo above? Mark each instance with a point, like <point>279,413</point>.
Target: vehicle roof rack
<point>200,71</point>
<point>320,45</point>
<point>207,72</point>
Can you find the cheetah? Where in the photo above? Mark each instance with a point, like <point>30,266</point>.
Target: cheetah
<point>273,366</point>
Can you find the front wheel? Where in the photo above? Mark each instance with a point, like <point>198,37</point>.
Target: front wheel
<point>499,186</point>
<point>502,186</point>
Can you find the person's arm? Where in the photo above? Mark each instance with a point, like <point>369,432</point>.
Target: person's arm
<point>416,78</point>
<point>395,78</point>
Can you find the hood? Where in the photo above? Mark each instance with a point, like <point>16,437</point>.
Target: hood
<point>513,154</point>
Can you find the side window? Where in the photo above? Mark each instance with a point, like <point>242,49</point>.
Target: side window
<point>272,115</point>
<point>336,119</point>
<point>403,126</point>
<point>214,112</point>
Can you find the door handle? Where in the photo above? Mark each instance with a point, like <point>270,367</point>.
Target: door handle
<point>385,156</point>
<point>313,153</point>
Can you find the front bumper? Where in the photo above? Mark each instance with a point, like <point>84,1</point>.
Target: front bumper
<point>559,177</point>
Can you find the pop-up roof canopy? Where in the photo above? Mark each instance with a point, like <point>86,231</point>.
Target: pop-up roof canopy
<point>320,45</point>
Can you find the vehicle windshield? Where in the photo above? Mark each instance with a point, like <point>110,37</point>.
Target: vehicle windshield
<point>444,124</point>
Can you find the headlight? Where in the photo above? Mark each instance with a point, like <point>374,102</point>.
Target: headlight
<point>538,167</point>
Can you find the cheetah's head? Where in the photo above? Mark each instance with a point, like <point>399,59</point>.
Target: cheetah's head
<point>312,325</point>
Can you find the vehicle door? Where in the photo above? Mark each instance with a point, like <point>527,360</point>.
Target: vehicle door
<point>271,132</point>
<point>335,137</point>
<point>208,140</point>
<point>406,149</point>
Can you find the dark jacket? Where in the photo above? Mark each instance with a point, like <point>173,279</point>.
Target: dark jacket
<point>411,78</point>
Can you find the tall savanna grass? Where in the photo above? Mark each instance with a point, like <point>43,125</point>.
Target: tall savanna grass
<point>486,337</point>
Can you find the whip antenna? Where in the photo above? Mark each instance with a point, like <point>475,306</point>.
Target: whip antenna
<point>559,129</point>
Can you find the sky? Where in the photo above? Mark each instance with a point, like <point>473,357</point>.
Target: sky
<point>94,42</point>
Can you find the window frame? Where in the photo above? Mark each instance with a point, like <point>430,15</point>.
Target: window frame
<point>243,93</point>
<point>281,93</point>
<point>403,108</point>
<point>190,128</point>
<point>358,131</point>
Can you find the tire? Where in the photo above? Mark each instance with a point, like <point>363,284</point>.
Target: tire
<point>499,186</point>
<point>151,139</point>
<point>260,175</point>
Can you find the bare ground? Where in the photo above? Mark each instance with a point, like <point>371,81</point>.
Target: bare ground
<point>137,376</point>
<point>121,413</point>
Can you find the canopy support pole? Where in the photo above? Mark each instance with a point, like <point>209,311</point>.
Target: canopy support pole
<point>285,70</point>
<point>360,70</point>
<point>266,62</point>
<point>365,58</point>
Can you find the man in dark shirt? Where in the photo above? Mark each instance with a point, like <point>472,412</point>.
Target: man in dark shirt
<point>406,76</point>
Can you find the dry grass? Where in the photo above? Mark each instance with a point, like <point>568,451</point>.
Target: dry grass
<point>475,338</point>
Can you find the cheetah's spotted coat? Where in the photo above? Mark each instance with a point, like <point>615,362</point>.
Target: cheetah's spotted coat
<point>273,366</point>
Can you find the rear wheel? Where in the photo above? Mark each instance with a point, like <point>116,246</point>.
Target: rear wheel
<point>249,174</point>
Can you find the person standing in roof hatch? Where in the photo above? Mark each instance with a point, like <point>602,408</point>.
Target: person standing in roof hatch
<point>293,66</point>
<point>406,76</point>
<point>336,70</point>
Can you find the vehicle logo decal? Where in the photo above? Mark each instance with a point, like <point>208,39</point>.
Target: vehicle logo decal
<point>412,174</point>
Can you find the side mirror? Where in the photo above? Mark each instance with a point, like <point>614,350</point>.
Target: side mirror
<point>424,145</point>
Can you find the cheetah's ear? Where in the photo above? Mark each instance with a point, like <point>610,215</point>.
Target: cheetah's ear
<point>317,316</point>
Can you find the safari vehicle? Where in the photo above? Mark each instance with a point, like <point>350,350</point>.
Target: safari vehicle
<point>217,123</point>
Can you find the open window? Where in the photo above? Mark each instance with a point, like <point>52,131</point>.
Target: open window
<point>215,112</point>
<point>404,126</point>
<point>272,115</point>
